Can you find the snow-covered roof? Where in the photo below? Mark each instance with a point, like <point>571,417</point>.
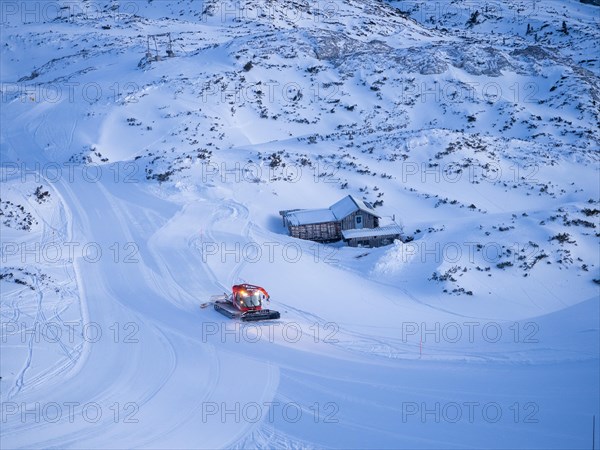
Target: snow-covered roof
<point>334,213</point>
<point>309,216</point>
<point>350,204</point>
<point>371,232</point>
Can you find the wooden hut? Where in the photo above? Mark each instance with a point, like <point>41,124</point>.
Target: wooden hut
<point>327,224</point>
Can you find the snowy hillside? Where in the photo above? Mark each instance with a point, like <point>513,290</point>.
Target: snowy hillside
<point>147,148</point>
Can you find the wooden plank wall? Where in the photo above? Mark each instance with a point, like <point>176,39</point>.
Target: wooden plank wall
<point>369,220</point>
<point>327,231</point>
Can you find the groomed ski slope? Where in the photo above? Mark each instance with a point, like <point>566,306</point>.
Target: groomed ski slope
<point>354,375</point>
<point>369,351</point>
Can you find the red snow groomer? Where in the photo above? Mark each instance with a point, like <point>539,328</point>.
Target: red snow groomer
<point>245,302</point>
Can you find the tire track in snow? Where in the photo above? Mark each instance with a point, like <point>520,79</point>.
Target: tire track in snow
<point>215,217</point>
<point>19,382</point>
<point>229,210</point>
<point>55,231</point>
<point>240,212</point>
